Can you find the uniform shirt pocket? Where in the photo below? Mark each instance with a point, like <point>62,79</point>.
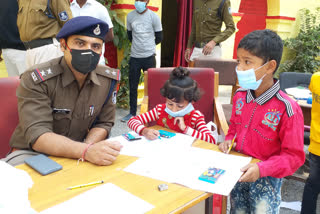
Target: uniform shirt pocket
<point>61,123</point>
<point>211,15</point>
<point>266,140</point>
<point>38,6</point>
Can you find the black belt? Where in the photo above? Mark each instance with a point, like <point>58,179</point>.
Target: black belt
<point>202,44</point>
<point>37,43</point>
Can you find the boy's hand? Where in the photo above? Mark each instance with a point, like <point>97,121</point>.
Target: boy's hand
<point>251,173</point>
<point>224,147</point>
<point>150,134</point>
<point>180,122</point>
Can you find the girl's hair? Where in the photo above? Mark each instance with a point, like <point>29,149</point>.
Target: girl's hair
<point>180,86</point>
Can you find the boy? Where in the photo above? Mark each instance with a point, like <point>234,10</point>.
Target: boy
<point>145,32</point>
<point>268,126</point>
<point>312,187</point>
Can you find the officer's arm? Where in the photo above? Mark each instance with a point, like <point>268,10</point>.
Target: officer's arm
<point>159,37</point>
<point>228,20</point>
<point>61,10</point>
<point>109,36</point>
<point>96,134</point>
<point>58,145</point>
<point>129,35</point>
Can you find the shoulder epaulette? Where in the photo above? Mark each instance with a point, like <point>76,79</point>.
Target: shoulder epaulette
<point>109,72</point>
<point>43,73</point>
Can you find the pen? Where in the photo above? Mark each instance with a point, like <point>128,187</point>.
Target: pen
<point>232,143</point>
<point>85,185</point>
<point>159,137</point>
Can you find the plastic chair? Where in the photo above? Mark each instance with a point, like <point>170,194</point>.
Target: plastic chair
<point>9,112</point>
<point>294,79</point>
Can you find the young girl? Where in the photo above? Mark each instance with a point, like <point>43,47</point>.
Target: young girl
<point>178,112</point>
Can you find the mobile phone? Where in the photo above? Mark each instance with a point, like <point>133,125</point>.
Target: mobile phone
<point>166,134</point>
<point>211,175</point>
<point>130,137</point>
<point>43,164</point>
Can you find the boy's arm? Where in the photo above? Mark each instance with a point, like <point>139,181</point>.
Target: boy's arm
<point>137,123</point>
<point>129,35</point>
<point>291,156</point>
<point>159,37</point>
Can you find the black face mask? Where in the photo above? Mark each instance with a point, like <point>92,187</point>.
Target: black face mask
<point>84,61</point>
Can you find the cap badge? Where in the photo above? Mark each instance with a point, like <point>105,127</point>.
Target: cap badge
<point>97,31</point>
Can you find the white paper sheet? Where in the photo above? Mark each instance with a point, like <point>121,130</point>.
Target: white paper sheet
<point>145,147</point>
<point>14,185</point>
<point>299,92</point>
<point>294,205</point>
<point>185,166</point>
<point>106,198</point>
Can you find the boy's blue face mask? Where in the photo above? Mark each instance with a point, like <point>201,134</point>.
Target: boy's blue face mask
<point>189,108</point>
<point>247,79</point>
<point>140,6</point>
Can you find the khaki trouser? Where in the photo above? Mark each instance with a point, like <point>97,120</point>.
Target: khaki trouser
<point>197,53</point>
<point>43,54</point>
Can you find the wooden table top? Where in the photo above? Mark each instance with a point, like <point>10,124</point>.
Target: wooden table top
<point>51,189</point>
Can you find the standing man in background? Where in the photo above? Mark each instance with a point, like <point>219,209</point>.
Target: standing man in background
<point>206,35</point>
<point>94,9</point>
<point>11,47</point>
<point>144,32</point>
<point>39,21</point>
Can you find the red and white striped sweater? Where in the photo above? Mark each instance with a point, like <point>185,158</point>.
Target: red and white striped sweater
<point>194,121</point>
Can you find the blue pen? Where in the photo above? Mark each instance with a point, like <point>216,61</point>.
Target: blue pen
<point>159,137</point>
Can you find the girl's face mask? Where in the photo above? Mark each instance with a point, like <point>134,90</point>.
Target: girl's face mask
<point>189,108</point>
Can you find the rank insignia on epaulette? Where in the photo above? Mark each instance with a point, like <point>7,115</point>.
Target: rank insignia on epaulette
<point>114,72</point>
<point>40,75</point>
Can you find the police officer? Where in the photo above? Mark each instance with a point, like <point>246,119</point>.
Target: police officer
<point>67,105</point>
<point>38,22</point>
<point>206,34</point>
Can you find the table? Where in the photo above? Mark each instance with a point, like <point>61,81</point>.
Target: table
<point>51,190</point>
<point>306,111</point>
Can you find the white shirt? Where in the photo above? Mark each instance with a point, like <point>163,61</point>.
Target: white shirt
<point>94,9</point>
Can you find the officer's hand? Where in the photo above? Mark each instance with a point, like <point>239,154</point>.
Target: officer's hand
<point>0,55</point>
<point>251,173</point>
<point>103,153</point>
<point>224,147</point>
<point>207,49</point>
<point>180,122</point>
<point>150,134</point>
<point>187,53</point>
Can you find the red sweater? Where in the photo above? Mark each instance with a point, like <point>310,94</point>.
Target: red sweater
<point>194,121</point>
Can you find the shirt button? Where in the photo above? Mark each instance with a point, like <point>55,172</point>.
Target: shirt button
<point>246,126</point>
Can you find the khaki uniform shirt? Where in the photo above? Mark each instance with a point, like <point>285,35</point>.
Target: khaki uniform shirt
<point>206,25</point>
<point>49,100</point>
<point>33,23</point>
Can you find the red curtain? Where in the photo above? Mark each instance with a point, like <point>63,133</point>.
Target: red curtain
<point>183,31</point>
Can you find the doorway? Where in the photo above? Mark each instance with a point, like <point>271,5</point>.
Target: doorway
<point>169,26</point>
